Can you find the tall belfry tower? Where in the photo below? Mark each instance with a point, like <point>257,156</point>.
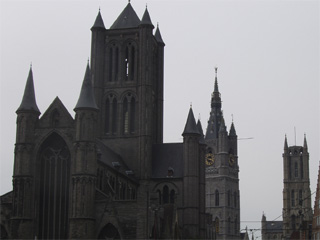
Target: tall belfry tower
<point>222,178</point>
<point>127,72</point>
<point>297,211</point>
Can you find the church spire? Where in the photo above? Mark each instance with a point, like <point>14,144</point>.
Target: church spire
<point>86,98</point>
<point>28,102</point>
<point>216,88</point>
<point>285,143</point>
<point>305,145</point>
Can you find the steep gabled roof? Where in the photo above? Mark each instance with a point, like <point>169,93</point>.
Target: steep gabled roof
<point>127,19</point>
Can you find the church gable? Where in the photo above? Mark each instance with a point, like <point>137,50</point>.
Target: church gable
<point>56,116</point>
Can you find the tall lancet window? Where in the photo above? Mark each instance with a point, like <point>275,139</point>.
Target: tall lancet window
<point>113,63</point>
<point>54,160</point>
<point>130,62</point>
<point>111,115</point>
<point>129,114</point>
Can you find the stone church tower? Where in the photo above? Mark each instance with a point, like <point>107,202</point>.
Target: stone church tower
<point>222,179</point>
<point>106,173</point>
<point>297,211</point>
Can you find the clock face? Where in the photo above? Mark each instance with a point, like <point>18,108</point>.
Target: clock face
<point>231,160</point>
<point>209,159</point>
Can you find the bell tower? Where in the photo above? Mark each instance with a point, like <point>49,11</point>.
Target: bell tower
<point>297,211</point>
<point>222,172</point>
<point>127,73</point>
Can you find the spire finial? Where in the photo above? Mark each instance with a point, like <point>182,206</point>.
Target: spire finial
<point>232,117</point>
<point>157,24</point>
<point>128,1</point>
<point>199,117</point>
<point>88,61</point>
<point>146,5</point>
<point>190,104</point>
<point>31,65</point>
<point>99,8</point>
<point>216,70</point>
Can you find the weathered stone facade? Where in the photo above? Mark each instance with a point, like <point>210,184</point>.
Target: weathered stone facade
<point>106,173</point>
<point>222,173</point>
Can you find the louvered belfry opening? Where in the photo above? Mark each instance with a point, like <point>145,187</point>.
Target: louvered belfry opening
<point>54,188</point>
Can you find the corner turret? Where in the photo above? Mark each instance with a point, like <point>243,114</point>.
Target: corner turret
<point>28,102</point>
<point>98,22</point>
<point>146,20</point>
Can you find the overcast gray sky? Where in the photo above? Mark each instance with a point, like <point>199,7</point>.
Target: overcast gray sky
<point>267,54</point>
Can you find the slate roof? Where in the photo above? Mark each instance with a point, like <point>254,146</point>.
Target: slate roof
<point>98,22</point>
<point>113,160</point>
<point>165,156</point>
<point>127,19</point>
<point>28,102</point>
<point>157,35</point>
<point>86,98</point>
<point>146,18</point>
<point>274,226</point>
<point>191,126</point>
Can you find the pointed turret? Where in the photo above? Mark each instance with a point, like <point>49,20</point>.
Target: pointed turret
<point>285,143</point>
<point>146,20</point>
<point>305,145</point>
<point>98,22</point>
<point>199,127</point>
<point>223,127</point>
<point>86,98</point>
<point>127,19</point>
<point>191,126</point>
<point>157,35</point>
<point>28,102</point>
<point>232,130</point>
<point>216,88</point>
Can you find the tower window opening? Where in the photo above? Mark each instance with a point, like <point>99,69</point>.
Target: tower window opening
<point>216,198</point>
<point>125,116</point>
<point>295,169</point>
<point>172,195</point>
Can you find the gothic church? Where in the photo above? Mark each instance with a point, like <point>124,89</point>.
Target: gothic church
<point>106,174</point>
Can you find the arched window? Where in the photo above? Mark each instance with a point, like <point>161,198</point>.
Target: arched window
<point>235,199</point>
<point>125,116</point>
<point>130,62</point>
<point>172,194</point>
<point>165,194</point>
<point>216,198</point>
<point>229,198</point>
<point>111,114</point>
<point>54,160</point>
<point>114,115</point>
<point>113,63</point>
<point>128,116</point>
